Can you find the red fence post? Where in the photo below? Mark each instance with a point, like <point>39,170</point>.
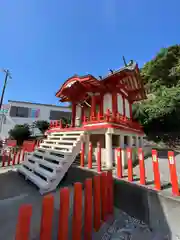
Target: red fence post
<point>98,157</point>
<point>110,192</point>
<point>56,123</point>
<point>141,166</point>
<point>97,202</point>
<point>3,158</point>
<point>82,154</point>
<point>9,158</point>
<point>77,212</point>
<point>22,155</point>
<point>173,173</point>
<point>119,163</point>
<point>130,165</point>
<point>60,123</point>
<point>107,115</point>
<point>47,217</point>
<point>14,159</point>
<point>90,156</point>
<point>63,214</point>
<point>88,210</point>
<point>104,202</point>
<point>98,116</point>
<point>19,157</point>
<point>23,224</point>
<point>157,181</point>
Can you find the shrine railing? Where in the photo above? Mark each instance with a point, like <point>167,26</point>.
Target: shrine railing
<point>112,118</point>
<point>108,117</point>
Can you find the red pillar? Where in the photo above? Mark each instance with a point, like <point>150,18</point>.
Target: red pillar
<point>73,114</point>
<point>173,173</point>
<point>90,156</point>
<point>93,106</point>
<point>101,105</point>
<point>47,217</point>
<point>157,180</point>
<point>130,165</point>
<point>104,196</point>
<point>97,202</point>
<point>24,223</point>
<point>99,157</point>
<point>114,103</point>
<point>110,192</point>
<point>77,212</point>
<point>88,210</point>
<point>141,166</point>
<point>64,213</point>
<point>119,163</point>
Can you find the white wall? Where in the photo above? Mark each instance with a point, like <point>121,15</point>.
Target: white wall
<point>9,124</point>
<point>107,102</point>
<point>127,108</point>
<point>120,103</point>
<point>44,110</point>
<point>78,115</point>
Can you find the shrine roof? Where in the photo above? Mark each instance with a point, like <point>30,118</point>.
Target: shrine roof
<point>126,79</point>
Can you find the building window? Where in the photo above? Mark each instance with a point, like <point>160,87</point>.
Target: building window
<point>19,112</point>
<point>57,115</point>
<point>34,113</point>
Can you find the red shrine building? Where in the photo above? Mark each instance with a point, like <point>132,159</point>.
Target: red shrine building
<point>102,122</point>
<point>102,108</point>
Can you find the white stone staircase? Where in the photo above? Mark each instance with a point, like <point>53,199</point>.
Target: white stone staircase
<point>47,165</point>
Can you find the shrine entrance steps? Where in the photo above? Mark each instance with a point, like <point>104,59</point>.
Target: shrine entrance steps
<point>47,165</point>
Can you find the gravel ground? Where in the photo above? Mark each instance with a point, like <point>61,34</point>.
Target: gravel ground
<point>125,227</point>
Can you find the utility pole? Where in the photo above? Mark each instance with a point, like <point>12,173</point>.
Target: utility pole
<point>7,74</point>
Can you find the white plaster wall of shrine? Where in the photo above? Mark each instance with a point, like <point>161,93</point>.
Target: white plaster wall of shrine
<point>78,115</point>
<point>120,103</point>
<point>107,102</point>
<point>127,110</point>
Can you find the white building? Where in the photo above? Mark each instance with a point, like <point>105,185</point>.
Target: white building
<point>17,112</point>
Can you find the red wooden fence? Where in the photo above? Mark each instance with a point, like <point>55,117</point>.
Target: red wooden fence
<point>142,170</point>
<point>101,209</point>
<point>15,156</point>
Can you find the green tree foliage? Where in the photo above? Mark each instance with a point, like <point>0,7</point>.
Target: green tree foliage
<point>162,69</point>
<point>66,121</point>
<point>20,133</point>
<point>160,112</point>
<point>42,126</point>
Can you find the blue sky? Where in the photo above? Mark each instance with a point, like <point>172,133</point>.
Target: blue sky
<point>44,42</point>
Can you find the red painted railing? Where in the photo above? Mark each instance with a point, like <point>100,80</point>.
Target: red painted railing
<point>107,117</point>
